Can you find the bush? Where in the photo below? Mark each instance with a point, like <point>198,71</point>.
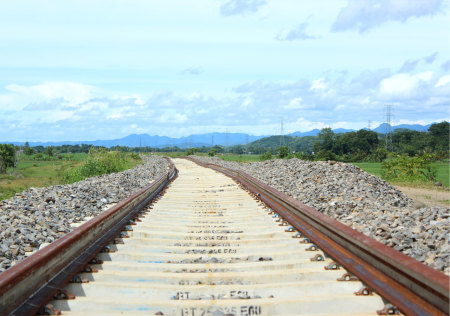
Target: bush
<point>49,151</point>
<point>305,156</point>
<point>43,157</point>
<point>283,152</point>
<point>28,151</point>
<point>212,152</point>
<point>135,156</point>
<point>99,162</point>
<point>7,157</point>
<point>379,155</point>
<point>409,168</point>
<point>266,156</point>
<point>191,151</point>
<point>325,155</point>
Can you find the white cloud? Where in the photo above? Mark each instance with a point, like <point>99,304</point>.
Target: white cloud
<point>302,124</point>
<point>57,116</point>
<point>241,7</point>
<point>318,85</point>
<point>172,117</point>
<point>47,105</point>
<point>409,65</point>
<point>296,33</point>
<point>364,15</point>
<point>404,86</point>
<point>74,93</point>
<point>446,65</point>
<point>412,122</point>
<point>247,102</point>
<point>195,71</point>
<point>114,116</point>
<point>366,101</point>
<point>93,105</point>
<point>430,59</point>
<point>296,103</point>
<point>7,101</point>
<point>340,125</point>
<point>443,81</point>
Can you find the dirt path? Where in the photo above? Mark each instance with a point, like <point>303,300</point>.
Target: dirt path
<point>436,197</point>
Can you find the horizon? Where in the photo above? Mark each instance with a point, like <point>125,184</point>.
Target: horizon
<point>99,70</point>
<point>193,135</point>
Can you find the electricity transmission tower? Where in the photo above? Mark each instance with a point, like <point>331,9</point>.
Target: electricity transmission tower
<point>388,131</point>
<point>282,143</point>
<point>226,138</point>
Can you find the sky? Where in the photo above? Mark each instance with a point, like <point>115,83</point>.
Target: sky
<point>104,69</point>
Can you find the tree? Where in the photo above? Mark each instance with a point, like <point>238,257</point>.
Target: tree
<point>218,149</point>
<point>379,154</point>
<point>283,152</point>
<point>237,149</point>
<point>324,155</point>
<point>49,151</point>
<point>266,156</point>
<point>212,152</point>
<point>326,140</point>
<point>7,157</point>
<point>440,134</point>
<point>27,149</point>
<point>191,151</point>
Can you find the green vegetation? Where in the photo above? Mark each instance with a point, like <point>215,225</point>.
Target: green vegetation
<point>283,152</point>
<point>39,170</point>
<point>100,161</point>
<point>266,156</point>
<point>191,151</point>
<point>240,158</point>
<point>410,168</point>
<point>7,157</point>
<point>30,173</point>
<point>272,143</point>
<point>441,169</point>
<point>418,158</point>
<point>359,146</point>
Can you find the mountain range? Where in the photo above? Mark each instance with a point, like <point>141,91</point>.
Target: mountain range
<point>199,140</point>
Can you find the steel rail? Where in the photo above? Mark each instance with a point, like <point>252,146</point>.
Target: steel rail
<point>31,283</point>
<point>414,288</point>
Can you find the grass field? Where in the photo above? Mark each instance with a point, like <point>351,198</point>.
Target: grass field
<point>442,173</point>
<point>35,173</point>
<point>442,170</point>
<point>240,158</point>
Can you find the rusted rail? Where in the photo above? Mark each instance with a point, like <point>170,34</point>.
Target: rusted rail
<point>30,284</point>
<point>414,288</point>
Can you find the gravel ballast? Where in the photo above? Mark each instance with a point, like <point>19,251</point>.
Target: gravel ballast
<point>362,201</point>
<point>41,215</point>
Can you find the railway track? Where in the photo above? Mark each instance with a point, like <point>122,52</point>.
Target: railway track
<point>219,245</point>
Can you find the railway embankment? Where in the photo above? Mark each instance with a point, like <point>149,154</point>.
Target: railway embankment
<point>41,215</point>
<point>362,201</point>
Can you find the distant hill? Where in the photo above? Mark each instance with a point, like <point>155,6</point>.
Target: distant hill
<point>299,143</point>
<point>313,132</point>
<point>415,127</point>
<point>380,129</point>
<point>144,140</point>
<point>199,140</point>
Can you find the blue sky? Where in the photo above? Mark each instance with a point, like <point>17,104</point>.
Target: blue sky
<point>103,69</point>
